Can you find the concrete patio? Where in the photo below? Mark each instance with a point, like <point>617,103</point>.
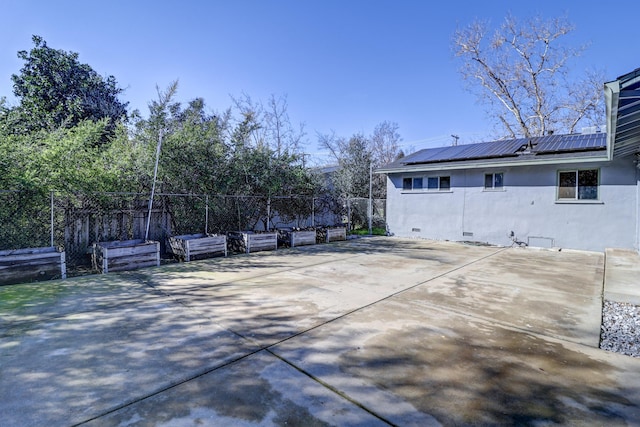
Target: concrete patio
<point>373,331</point>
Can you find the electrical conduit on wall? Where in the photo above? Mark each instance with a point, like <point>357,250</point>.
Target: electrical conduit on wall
<point>464,202</point>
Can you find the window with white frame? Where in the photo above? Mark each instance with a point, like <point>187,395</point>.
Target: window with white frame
<point>414,183</point>
<point>581,184</point>
<point>439,183</point>
<point>494,181</point>
<point>432,183</point>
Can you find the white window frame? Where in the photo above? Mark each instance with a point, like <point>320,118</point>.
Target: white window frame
<point>425,184</point>
<point>577,198</point>
<point>493,181</point>
<point>439,188</point>
<point>413,183</point>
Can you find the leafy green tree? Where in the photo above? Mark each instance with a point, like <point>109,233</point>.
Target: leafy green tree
<point>70,160</point>
<point>54,89</point>
<point>194,155</point>
<point>16,153</point>
<point>205,153</point>
<point>67,160</point>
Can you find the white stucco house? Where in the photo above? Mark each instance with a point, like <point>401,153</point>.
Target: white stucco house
<point>579,191</point>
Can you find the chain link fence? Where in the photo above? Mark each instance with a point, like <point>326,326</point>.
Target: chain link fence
<point>25,219</point>
<point>75,222</point>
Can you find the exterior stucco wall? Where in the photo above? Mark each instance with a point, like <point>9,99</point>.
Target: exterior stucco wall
<point>527,205</point>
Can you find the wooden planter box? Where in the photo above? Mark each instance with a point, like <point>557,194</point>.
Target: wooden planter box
<point>248,241</point>
<point>31,264</point>
<point>333,234</point>
<point>293,238</point>
<point>188,246</point>
<point>124,255</point>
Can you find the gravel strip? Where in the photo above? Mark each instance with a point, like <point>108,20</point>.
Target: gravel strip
<point>620,330</point>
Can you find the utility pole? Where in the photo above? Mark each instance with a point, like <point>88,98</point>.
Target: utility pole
<point>455,139</point>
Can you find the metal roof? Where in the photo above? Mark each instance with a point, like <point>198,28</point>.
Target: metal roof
<point>509,148</point>
<point>623,114</point>
<point>513,152</point>
<point>558,158</point>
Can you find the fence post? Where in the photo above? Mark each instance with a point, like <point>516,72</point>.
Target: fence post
<point>313,212</point>
<point>268,211</point>
<point>206,214</point>
<point>370,207</point>
<point>52,237</point>
<point>153,185</point>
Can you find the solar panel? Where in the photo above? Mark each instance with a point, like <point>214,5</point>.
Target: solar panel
<point>574,142</point>
<point>510,147</point>
<point>422,156</point>
<point>466,152</point>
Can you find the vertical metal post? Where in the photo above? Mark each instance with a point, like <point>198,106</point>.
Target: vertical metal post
<point>268,211</point>
<point>370,198</point>
<point>313,212</point>
<point>206,214</point>
<point>52,242</point>
<point>153,186</point>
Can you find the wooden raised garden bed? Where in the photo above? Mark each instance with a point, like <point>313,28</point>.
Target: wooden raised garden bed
<point>293,238</point>
<point>31,264</point>
<point>188,246</point>
<point>124,255</point>
<point>249,241</point>
<point>331,234</point>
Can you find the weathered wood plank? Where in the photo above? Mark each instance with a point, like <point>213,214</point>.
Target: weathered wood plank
<point>303,237</point>
<point>30,264</point>
<point>138,249</point>
<point>126,255</point>
<point>252,242</point>
<point>335,234</point>
<point>28,251</point>
<point>190,245</point>
<point>261,242</point>
<point>25,258</point>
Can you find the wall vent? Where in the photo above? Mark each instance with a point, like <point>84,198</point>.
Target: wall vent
<point>541,242</point>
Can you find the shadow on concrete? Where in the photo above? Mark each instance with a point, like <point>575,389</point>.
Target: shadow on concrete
<point>220,342</point>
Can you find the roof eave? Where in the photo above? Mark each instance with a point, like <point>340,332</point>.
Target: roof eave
<point>623,115</point>
<point>611,96</point>
<point>484,164</point>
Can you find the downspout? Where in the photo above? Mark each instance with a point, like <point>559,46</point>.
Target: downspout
<point>464,200</point>
<point>638,203</point>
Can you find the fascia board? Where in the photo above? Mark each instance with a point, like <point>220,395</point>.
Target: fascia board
<point>611,97</point>
<point>486,165</point>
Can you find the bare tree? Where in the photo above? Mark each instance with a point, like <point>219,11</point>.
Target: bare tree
<point>385,143</point>
<point>280,131</point>
<point>275,130</point>
<point>334,144</point>
<point>385,148</point>
<point>523,74</point>
<point>356,155</point>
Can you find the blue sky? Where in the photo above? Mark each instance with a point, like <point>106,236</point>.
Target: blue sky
<point>343,65</point>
